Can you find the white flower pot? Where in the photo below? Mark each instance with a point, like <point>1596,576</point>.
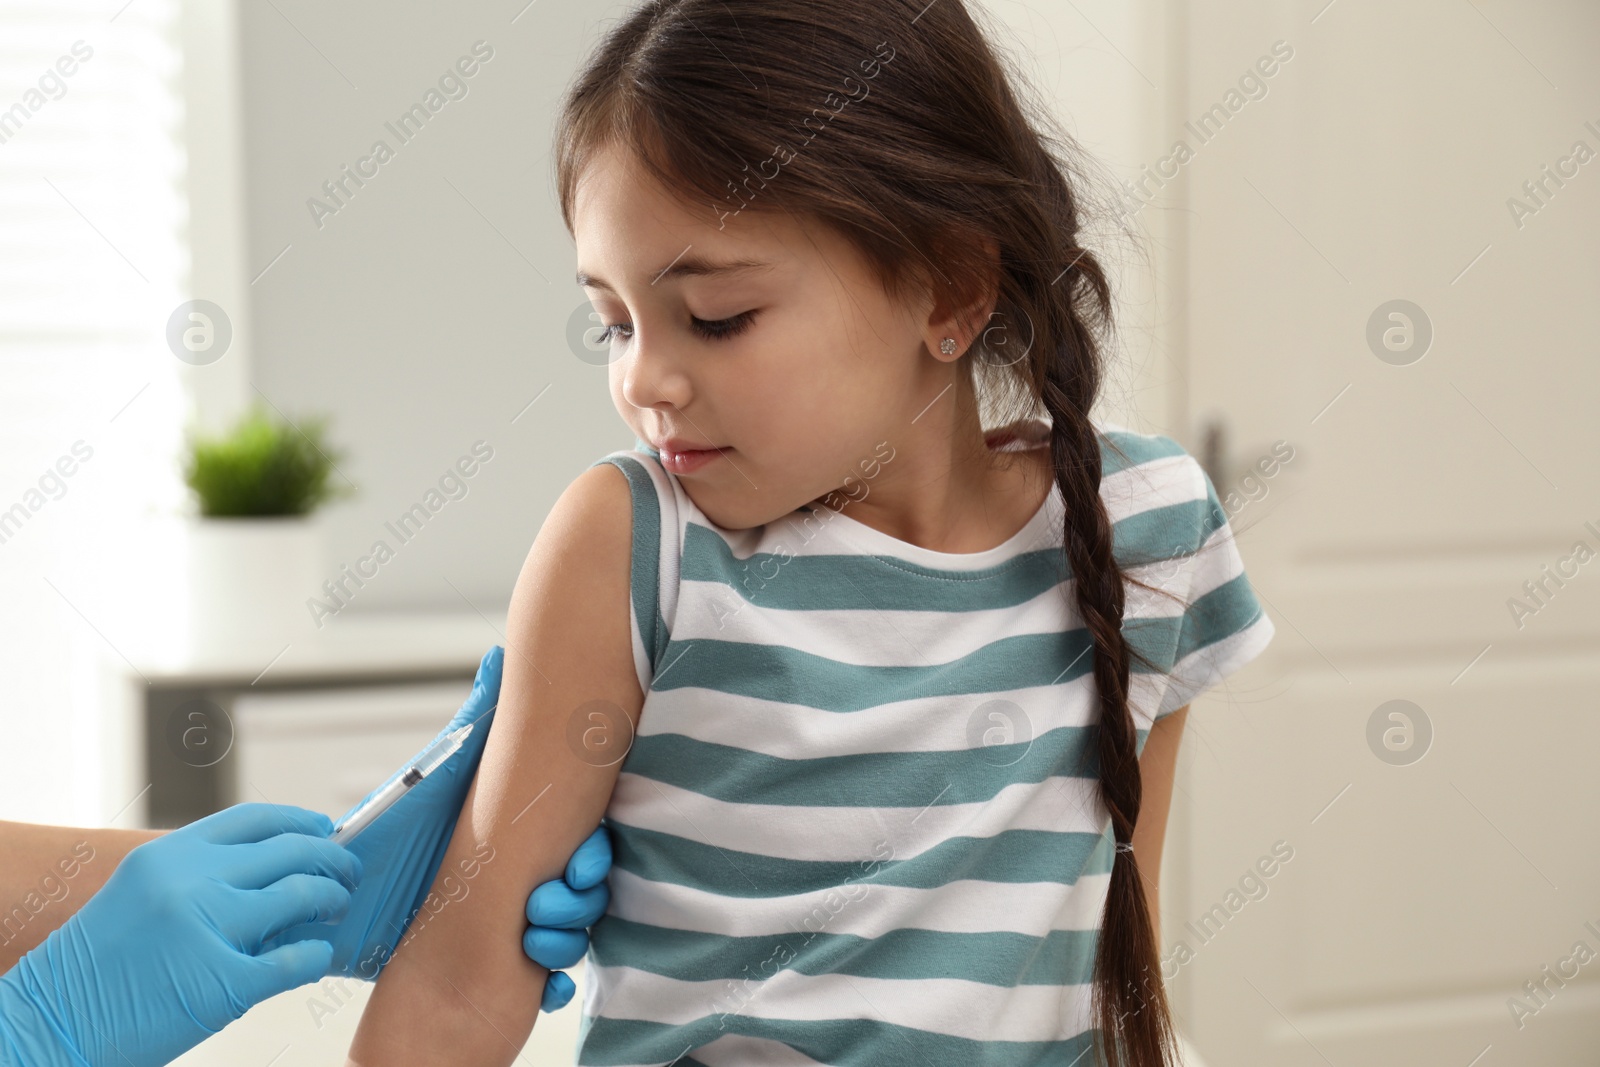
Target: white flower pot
<point>248,581</point>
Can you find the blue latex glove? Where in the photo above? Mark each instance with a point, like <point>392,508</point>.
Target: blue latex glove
<point>191,930</point>
<point>561,913</point>
<point>174,946</point>
<point>402,850</point>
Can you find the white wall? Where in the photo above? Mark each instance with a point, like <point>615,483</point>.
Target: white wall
<point>427,312</point>
<point>433,307</point>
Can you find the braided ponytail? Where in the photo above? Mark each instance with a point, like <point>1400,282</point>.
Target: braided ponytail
<point>1129,1000</point>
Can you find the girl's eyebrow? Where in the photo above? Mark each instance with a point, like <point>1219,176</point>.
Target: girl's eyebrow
<point>686,267</point>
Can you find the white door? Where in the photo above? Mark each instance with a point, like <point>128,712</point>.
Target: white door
<point>1420,748</point>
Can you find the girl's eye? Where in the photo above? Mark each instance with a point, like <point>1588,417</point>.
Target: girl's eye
<point>608,333</point>
<point>717,330</point>
<point>723,327</point>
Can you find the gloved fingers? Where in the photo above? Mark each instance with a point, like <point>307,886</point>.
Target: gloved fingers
<point>591,861</point>
<point>261,863</point>
<point>558,990</point>
<point>485,691</point>
<point>486,685</point>
<point>325,931</point>
<point>554,948</point>
<point>480,704</point>
<point>557,905</point>
<point>258,821</point>
<point>256,916</point>
<point>288,967</point>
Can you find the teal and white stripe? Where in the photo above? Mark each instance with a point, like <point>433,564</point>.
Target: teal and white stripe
<point>817,861</point>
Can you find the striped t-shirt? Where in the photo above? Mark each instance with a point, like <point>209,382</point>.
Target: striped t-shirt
<point>859,822</point>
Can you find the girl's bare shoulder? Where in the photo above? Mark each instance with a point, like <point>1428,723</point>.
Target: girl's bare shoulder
<point>571,605</point>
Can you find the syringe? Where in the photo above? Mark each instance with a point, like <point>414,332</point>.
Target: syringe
<point>381,801</point>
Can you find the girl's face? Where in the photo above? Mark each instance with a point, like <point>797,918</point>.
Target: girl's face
<point>798,366</point>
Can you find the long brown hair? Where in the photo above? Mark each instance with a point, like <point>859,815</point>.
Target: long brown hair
<point>895,122</point>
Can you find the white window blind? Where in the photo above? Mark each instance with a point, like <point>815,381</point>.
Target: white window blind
<point>92,409</point>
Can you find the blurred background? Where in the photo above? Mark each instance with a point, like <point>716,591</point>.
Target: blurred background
<point>1357,266</point>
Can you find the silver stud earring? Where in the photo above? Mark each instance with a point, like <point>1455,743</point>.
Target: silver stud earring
<point>948,346</point>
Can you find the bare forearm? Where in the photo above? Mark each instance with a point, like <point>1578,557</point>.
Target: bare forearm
<point>47,872</point>
<point>459,989</point>
<point>1158,765</point>
<point>477,1026</point>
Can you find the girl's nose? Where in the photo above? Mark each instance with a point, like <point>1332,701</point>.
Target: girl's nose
<point>652,376</point>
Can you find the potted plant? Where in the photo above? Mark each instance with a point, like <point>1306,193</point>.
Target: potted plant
<point>255,552</point>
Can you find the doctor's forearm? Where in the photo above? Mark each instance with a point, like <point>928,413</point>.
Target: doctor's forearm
<point>47,872</point>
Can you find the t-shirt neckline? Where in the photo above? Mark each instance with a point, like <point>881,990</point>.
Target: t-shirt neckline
<point>869,539</point>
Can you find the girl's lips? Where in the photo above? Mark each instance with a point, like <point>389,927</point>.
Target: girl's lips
<point>685,462</point>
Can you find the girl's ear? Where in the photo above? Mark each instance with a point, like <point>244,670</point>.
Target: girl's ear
<point>965,317</point>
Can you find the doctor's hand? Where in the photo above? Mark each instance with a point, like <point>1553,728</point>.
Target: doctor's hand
<point>402,850</point>
<point>176,945</point>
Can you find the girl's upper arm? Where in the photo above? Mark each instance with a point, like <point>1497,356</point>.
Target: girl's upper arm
<point>460,989</point>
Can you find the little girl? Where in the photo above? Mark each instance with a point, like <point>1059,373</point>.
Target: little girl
<point>881,708</point>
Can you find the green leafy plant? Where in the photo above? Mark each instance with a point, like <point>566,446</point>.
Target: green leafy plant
<point>264,466</point>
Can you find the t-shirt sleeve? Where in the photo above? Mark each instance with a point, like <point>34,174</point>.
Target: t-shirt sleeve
<point>653,576</point>
<point>1223,626</point>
